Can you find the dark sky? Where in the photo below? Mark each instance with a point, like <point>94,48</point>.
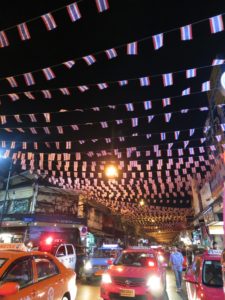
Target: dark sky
<point>125,21</point>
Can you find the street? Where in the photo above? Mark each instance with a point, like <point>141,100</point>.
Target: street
<point>91,291</point>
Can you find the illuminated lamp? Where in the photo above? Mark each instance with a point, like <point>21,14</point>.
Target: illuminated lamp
<point>222,80</point>
<point>111,171</point>
<point>49,240</point>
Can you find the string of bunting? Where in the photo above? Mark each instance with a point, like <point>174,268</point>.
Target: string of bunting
<point>216,25</point>
<point>48,21</point>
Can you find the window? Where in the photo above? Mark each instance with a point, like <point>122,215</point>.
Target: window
<point>61,251</point>
<point>136,259</point>
<point>45,268</point>
<point>69,249</point>
<point>2,261</point>
<point>21,272</point>
<point>212,273</point>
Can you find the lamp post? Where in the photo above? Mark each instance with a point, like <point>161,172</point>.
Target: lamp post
<point>6,193</point>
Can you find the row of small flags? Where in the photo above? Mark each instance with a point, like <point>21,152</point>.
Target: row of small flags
<point>129,107</point>
<point>103,124</point>
<point>49,21</point>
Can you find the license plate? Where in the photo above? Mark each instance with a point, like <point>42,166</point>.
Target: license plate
<point>127,293</point>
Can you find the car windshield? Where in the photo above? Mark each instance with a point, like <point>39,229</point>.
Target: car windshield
<point>212,273</point>
<point>98,253</point>
<point>136,259</point>
<point>2,261</point>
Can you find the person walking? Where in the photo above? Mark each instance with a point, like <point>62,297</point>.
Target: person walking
<point>176,261</point>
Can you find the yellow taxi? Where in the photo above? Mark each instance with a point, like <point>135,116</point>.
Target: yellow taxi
<point>34,275</point>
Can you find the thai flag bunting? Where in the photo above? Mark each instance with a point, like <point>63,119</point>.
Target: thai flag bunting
<point>75,127</point>
<point>60,129</point>
<point>156,148</point>
<point>49,21</point>
<point>13,96</point>
<point>144,81</point>
<point>17,117</point>
<point>169,152</point>
<point>206,86</point>
<point>123,82</point>
<point>148,104</point>
<point>13,145</point>
<point>186,33</point>
<point>69,64</point>
<point>104,124</point>
<point>212,148</point>
<point>157,41</point>
<point>222,127</point>
<point>168,117</point>
<point>134,122</point>
<point>29,95</point>
<point>201,149</point>
<point>191,151</point>
<point>192,131</point>
<point>23,31</point>
<point>65,91</point>
<point>186,92</point>
<point>170,145</point>
<point>95,108</point>
<point>216,24</point>
<point>176,134</point>
<point>217,62</point>
<point>89,59</point>
<point>167,79</point>
<point>184,111</point>
<point>47,117</point>
<point>49,74</point>
<point>108,140</point>
<point>202,140</point>
<point>111,53</point>
<point>148,135</point>
<point>12,81</point>
<point>112,106</point>
<point>150,118</point>
<point>180,152</point>
<point>3,40</point>
<point>83,88</point>
<point>201,158</point>
<point>121,139</point>
<point>186,143</point>
<point>162,136</point>
<point>3,120</point>
<point>132,48</point>
<point>46,130</point>
<point>119,122</point>
<point>20,130</point>
<point>166,102</point>
<point>218,137</point>
<point>32,118</point>
<point>29,79</point>
<point>47,94</point>
<point>129,106</point>
<point>102,5</point>
<point>191,73</point>
<point>73,12</point>
<point>181,160</point>
<point>102,86</point>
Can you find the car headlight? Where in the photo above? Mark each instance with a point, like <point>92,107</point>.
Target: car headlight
<point>106,278</point>
<point>154,283</point>
<point>88,265</point>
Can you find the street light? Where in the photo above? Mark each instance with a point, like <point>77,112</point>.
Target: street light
<point>111,171</point>
<point>6,192</point>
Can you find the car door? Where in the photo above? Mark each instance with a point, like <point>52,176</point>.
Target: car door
<point>49,280</point>
<point>21,271</point>
<point>193,279</point>
<point>60,254</point>
<point>70,256</point>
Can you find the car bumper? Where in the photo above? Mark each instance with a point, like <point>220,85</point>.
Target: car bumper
<point>114,292</point>
<point>94,273</point>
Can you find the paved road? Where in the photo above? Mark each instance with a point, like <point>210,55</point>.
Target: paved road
<point>91,291</point>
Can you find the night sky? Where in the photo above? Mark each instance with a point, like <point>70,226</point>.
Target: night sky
<point>124,22</point>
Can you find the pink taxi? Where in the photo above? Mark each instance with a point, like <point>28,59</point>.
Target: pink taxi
<point>136,274</point>
<point>204,277</point>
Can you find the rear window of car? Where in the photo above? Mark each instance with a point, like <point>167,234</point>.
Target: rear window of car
<point>212,273</point>
<point>70,249</point>
<point>136,259</point>
<point>2,261</point>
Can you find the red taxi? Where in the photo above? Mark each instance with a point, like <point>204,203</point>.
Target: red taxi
<point>204,277</point>
<point>34,275</point>
<point>135,274</point>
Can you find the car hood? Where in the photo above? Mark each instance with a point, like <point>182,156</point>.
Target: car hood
<point>129,271</point>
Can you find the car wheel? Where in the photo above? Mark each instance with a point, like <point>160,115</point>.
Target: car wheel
<point>65,298</point>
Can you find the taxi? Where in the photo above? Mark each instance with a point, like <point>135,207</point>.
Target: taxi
<point>34,275</point>
<point>136,274</point>
<point>204,277</point>
<point>99,261</point>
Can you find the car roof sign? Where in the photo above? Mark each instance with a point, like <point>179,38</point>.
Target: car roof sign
<point>13,246</point>
<point>214,252</point>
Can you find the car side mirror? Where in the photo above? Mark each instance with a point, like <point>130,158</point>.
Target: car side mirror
<point>9,288</point>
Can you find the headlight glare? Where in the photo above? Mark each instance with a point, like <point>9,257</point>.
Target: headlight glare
<point>88,265</point>
<point>106,278</point>
<point>154,283</point>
